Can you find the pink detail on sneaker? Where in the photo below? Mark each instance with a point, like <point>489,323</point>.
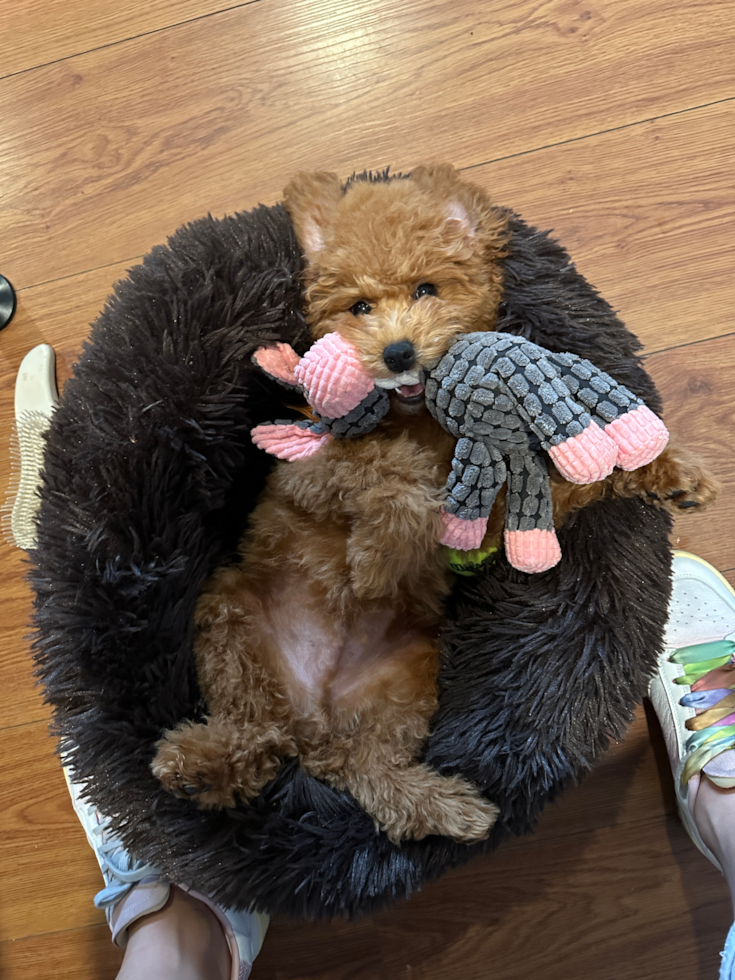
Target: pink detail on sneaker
<point>719,677</point>
<point>585,458</point>
<point>532,551</point>
<point>331,374</point>
<point>146,896</point>
<point>639,435</point>
<point>278,361</point>
<point>462,535</point>
<point>288,441</point>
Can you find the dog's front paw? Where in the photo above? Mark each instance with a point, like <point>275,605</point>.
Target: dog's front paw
<point>697,488</point>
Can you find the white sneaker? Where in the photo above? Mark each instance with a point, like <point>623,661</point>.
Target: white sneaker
<point>693,692</point>
<point>133,889</point>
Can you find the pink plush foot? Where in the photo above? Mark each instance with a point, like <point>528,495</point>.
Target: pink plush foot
<point>532,551</point>
<point>639,435</point>
<point>585,458</point>
<point>288,441</point>
<point>462,535</point>
<point>331,374</point>
<point>279,362</point>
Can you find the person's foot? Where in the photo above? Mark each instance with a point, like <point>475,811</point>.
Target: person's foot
<point>693,694</point>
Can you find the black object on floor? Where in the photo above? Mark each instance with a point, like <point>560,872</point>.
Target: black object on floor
<point>149,476</point>
<point>7,302</point>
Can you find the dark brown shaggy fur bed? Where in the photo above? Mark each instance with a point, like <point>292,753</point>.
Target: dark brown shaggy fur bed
<point>149,476</point>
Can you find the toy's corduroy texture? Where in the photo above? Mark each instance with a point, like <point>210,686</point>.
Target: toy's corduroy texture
<point>150,473</point>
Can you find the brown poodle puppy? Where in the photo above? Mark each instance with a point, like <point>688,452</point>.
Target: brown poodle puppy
<point>323,641</point>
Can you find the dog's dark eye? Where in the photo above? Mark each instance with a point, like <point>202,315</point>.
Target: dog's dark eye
<point>361,308</point>
<point>425,289</point>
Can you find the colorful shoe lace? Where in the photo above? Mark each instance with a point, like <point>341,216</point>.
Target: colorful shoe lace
<point>134,889</point>
<point>693,692</point>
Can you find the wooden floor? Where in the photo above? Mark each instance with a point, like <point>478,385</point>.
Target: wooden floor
<point>610,121</point>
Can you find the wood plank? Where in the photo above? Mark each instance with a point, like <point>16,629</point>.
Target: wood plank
<point>613,904</point>
<point>44,32</point>
<point>630,783</point>
<point>48,870</point>
<point>227,108</point>
<point>337,950</point>
<point>697,383</point>
<point>78,954</point>
<point>21,699</point>
<point>58,314</point>
<point>646,214</point>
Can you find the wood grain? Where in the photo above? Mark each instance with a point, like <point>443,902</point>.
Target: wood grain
<point>48,871</point>
<point>21,699</point>
<point>550,104</point>
<point>697,383</point>
<point>77,954</point>
<point>320,951</point>
<point>614,904</point>
<point>113,148</point>
<point>43,32</point>
<point>647,216</point>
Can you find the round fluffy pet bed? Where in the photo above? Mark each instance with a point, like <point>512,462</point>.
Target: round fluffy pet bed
<point>149,477</point>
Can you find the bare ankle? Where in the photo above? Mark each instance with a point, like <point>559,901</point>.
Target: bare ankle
<point>182,941</point>
<point>713,810</point>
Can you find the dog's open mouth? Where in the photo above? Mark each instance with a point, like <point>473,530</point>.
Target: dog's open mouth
<point>411,394</point>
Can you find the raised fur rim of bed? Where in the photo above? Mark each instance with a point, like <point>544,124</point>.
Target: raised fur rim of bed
<point>149,476</point>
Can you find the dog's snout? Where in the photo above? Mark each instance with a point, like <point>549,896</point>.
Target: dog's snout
<point>400,357</point>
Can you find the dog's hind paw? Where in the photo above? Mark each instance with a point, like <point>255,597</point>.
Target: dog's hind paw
<point>455,809</point>
<point>187,767</point>
<point>209,765</point>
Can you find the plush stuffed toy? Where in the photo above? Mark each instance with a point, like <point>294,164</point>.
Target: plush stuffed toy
<point>505,399</point>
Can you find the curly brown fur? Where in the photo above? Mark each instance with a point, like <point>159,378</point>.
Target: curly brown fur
<point>323,641</point>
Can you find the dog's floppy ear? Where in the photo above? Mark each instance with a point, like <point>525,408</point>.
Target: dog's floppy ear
<point>442,178</point>
<point>311,200</point>
<point>458,219</point>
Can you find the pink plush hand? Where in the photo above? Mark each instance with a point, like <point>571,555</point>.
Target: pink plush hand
<point>640,437</point>
<point>532,551</point>
<point>287,441</point>
<point>278,362</point>
<point>462,535</point>
<point>332,377</point>
<point>585,458</point>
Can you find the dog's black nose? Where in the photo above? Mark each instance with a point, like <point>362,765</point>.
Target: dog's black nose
<point>400,357</point>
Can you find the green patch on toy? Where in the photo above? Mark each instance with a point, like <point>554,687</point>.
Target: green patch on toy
<point>469,562</point>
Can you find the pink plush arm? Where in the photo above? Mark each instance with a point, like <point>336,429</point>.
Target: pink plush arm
<point>332,377</point>
<point>278,362</point>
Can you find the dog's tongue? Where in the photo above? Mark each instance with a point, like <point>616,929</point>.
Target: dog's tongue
<point>410,391</point>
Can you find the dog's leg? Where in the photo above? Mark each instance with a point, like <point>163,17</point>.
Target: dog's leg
<point>242,744</point>
<point>215,763</point>
<point>406,799</point>
<point>678,480</point>
<point>371,748</point>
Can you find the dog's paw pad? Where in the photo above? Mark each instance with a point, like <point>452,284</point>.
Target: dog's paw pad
<point>698,495</point>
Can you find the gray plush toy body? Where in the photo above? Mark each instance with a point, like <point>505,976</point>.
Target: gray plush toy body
<point>508,402</point>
